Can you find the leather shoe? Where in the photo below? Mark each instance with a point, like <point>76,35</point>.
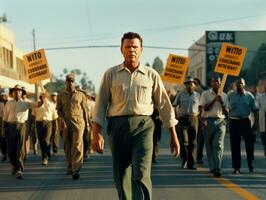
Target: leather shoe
<point>192,167</point>
<point>237,171</point>
<point>217,173</point>
<point>75,175</point>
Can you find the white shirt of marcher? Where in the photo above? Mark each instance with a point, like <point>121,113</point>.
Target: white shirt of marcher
<point>216,110</point>
<point>17,111</point>
<point>46,112</point>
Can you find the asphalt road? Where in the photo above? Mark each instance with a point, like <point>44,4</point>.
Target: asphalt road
<point>169,180</point>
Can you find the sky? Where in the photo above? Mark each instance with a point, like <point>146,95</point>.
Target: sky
<point>165,23</point>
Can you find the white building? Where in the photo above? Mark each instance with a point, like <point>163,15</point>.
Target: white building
<point>12,70</point>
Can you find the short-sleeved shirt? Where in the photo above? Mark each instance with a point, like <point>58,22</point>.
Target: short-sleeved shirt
<point>123,93</point>
<point>17,111</point>
<point>188,104</point>
<point>216,110</point>
<point>241,105</point>
<point>72,106</point>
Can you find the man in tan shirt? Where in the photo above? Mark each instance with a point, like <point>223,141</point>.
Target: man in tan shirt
<point>127,95</point>
<point>71,107</point>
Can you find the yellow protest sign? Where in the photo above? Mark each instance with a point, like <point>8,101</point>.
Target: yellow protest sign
<point>36,66</point>
<point>230,59</point>
<point>176,69</point>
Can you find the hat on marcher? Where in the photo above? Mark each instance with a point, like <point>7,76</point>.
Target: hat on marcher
<point>5,91</point>
<point>70,77</point>
<point>54,94</point>
<point>189,79</point>
<point>23,90</point>
<point>17,87</point>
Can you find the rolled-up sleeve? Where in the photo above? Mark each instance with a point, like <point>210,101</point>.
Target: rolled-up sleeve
<point>102,101</point>
<point>163,104</point>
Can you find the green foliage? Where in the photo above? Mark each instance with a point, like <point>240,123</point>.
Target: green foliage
<point>147,64</point>
<point>257,69</point>
<point>57,84</point>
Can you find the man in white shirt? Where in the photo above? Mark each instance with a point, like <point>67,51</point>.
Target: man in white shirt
<point>14,117</point>
<point>215,108</point>
<point>44,117</point>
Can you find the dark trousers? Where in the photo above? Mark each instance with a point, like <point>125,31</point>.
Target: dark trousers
<point>187,131</point>
<point>44,131</point>
<point>263,138</point>
<point>130,141</point>
<point>241,128</point>
<point>3,142</point>
<point>16,144</point>
<point>55,137</point>
<point>156,137</point>
<point>86,142</point>
<point>200,142</point>
<point>3,145</point>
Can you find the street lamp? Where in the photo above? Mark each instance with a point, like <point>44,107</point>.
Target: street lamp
<point>3,18</point>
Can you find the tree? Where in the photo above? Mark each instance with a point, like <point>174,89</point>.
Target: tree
<point>158,65</point>
<point>58,84</point>
<point>147,64</point>
<point>257,69</point>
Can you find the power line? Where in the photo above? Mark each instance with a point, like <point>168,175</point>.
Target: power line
<point>148,47</point>
<point>152,30</point>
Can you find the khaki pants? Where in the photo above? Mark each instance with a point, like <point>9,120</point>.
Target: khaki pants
<point>131,143</point>
<point>73,144</point>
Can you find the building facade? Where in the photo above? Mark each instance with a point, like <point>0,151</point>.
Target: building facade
<point>12,70</point>
<point>204,52</point>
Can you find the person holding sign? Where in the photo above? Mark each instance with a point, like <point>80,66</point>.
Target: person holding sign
<point>188,102</point>
<point>71,107</point>
<point>15,117</point>
<point>215,108</point>
<point>241,104</point>
<point>44,116</point>
<point>127,96</point>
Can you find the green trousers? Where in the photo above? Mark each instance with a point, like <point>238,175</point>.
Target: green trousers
<point>131,143</point>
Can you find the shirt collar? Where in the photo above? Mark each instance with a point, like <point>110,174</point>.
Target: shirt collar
<point>244,93</point>
<point>140,68</point>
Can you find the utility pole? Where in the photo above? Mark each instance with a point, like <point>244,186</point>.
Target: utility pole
<point>34,48</point>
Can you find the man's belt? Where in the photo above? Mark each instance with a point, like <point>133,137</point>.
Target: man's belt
<point>239,118</point>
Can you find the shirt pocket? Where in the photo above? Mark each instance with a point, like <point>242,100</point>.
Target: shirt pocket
<point>119,93</point>
<point>143,93</point>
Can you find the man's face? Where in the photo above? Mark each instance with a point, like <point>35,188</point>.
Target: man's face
<point>240,85</point>
<point>215,83</point>
<point>54,98</point>
<point>190,86</point>
<point>131,50</point>
<point>17,94</point>
<point>70,84</point>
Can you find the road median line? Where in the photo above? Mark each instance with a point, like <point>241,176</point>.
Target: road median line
<point>233,187</point>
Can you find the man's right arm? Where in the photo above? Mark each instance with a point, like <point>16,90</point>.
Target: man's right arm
<point>99,113</point>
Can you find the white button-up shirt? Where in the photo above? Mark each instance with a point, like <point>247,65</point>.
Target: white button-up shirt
<point>17,111</point>
<point>216,110</point>
<point>123,93</point>
<point>46,112</point>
